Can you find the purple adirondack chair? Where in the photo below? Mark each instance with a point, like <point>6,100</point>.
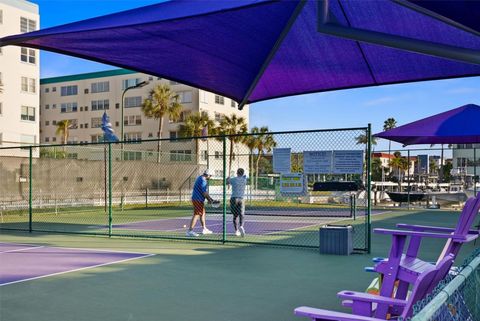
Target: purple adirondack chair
<point>363,304</point>
<point>402,269</point>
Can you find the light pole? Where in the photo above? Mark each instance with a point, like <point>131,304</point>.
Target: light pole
<point>122,138</point>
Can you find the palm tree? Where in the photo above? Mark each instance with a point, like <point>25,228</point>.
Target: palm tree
<point>390,123</point>
<point>194,125</point>
<point>400,163</point>
<point>233,125</point>
<point>251,143</point>
<point>440,172</point>
<point>161,102</point>
<point>363,140</point>
<point>63,127</point>
<point>264,143</point>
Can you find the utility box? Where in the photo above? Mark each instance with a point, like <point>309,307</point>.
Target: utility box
<point>336,239</point>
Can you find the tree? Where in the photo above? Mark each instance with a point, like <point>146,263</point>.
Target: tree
<point>441,177</point>
<point>390,123</point>
<point>233,125</point>
<point>161,102</point>
<point>63,127</point>
<point>194,125</point>
<point>400,164</point>
<point>363,140</point>
<point>433,166</point>
<point>447,172</point>
<point>376,169</point>
<point>264,143</point>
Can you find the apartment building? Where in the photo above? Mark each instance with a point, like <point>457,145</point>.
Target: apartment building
<point>19,75</point>
<point>83,98</point>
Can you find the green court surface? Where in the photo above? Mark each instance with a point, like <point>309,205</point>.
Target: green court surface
<point>200,281</point>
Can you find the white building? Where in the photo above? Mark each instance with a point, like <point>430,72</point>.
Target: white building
<point>83,98</point>
<point>19,74</point>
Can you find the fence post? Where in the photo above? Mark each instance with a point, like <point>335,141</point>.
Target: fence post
<point>408,175</point>
<point>146,197</point>
<point>224,196</point>
<point>30,191</point>
<point>109,189</point>
<point>475,172</point>
<point>369,188</point>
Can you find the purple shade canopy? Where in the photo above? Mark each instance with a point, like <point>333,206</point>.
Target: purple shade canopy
<point>456,126</point>
<point>253,50</point>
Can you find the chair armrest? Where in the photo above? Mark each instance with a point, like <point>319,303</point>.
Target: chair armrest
<point>424,228</point>
<point>420,234</point>
<point>321,314</point>
<point>367,297</point>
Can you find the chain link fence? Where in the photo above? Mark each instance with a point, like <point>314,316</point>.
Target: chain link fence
<point>457,297</point>
<point>144,188</point>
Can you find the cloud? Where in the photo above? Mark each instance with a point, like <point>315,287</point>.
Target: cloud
<point>378,101</point>
<point>463,90</point>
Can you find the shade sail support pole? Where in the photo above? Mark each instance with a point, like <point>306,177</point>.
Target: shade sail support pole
<point>327,25</point>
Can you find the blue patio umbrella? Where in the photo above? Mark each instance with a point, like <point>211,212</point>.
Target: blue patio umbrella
<point>253,50</point>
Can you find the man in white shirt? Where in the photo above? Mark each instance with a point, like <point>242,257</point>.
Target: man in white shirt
<point>237,203</point>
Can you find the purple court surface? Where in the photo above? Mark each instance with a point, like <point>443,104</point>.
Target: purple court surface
<point>23,262</point>
<point>216,225</point>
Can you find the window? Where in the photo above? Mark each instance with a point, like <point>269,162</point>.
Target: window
<point>1,138</point>
<point>24,84</point>
<point>47,106</point>
<point>100,87</point>
<point>133,137</point>
<point>96,122</point>
<point>185,97</point>
<point>233,104</point>
<point>180,155</point>
<point>100,104</point>
<point>133,102</point>
<point>219,100</point>
<point>73,124</point>
<point>47,139</point>
<point>85,125</point>
<point>1,16</point>
<point>54,122</point>
<point>69,90</point>
<point>47,90</point>
<point>126,83</point>
<point>132,156</point>
<point>132,120</point>
<point>32,85</point>
<point>28,113</point>
<point>54,89</point>
<point>204,155</point>
<point>218,117</point>
<point>217,155</point>
<point>27,25</point>
<point>28,55</point>
<point>47,123</point>
<point>203,96</point>
<point>173,136</point>
<point>1,109</point>
<point>54,106</point>
<point>68,108</point>
<point>97,138</point>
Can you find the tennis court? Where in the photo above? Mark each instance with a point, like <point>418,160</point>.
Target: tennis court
<point>100,278</point>
<point>25,262</point>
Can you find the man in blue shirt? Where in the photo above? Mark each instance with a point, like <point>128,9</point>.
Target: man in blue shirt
<point>199,194</point>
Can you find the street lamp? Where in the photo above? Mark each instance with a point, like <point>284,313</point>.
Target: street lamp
<point>139,85</point>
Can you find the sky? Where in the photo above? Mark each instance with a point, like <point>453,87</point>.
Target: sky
<point>336,109</point>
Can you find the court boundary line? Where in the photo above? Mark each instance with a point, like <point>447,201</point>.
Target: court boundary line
<point>21,250</point>
<point>76,270</point>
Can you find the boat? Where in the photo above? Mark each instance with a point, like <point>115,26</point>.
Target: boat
<point>405,197</point>
<point>455,194</point>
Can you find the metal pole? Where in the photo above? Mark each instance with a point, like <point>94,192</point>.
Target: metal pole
<point>109,189</point>
<point>474,172</point>
<point>224,238</point>
<point>30,191</point>
<point>105,174</point>
<point>122,138</point>
<point>408,176</point>
<point>369,188</point>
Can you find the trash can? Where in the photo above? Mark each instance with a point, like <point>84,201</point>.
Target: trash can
<point>336,239</point>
